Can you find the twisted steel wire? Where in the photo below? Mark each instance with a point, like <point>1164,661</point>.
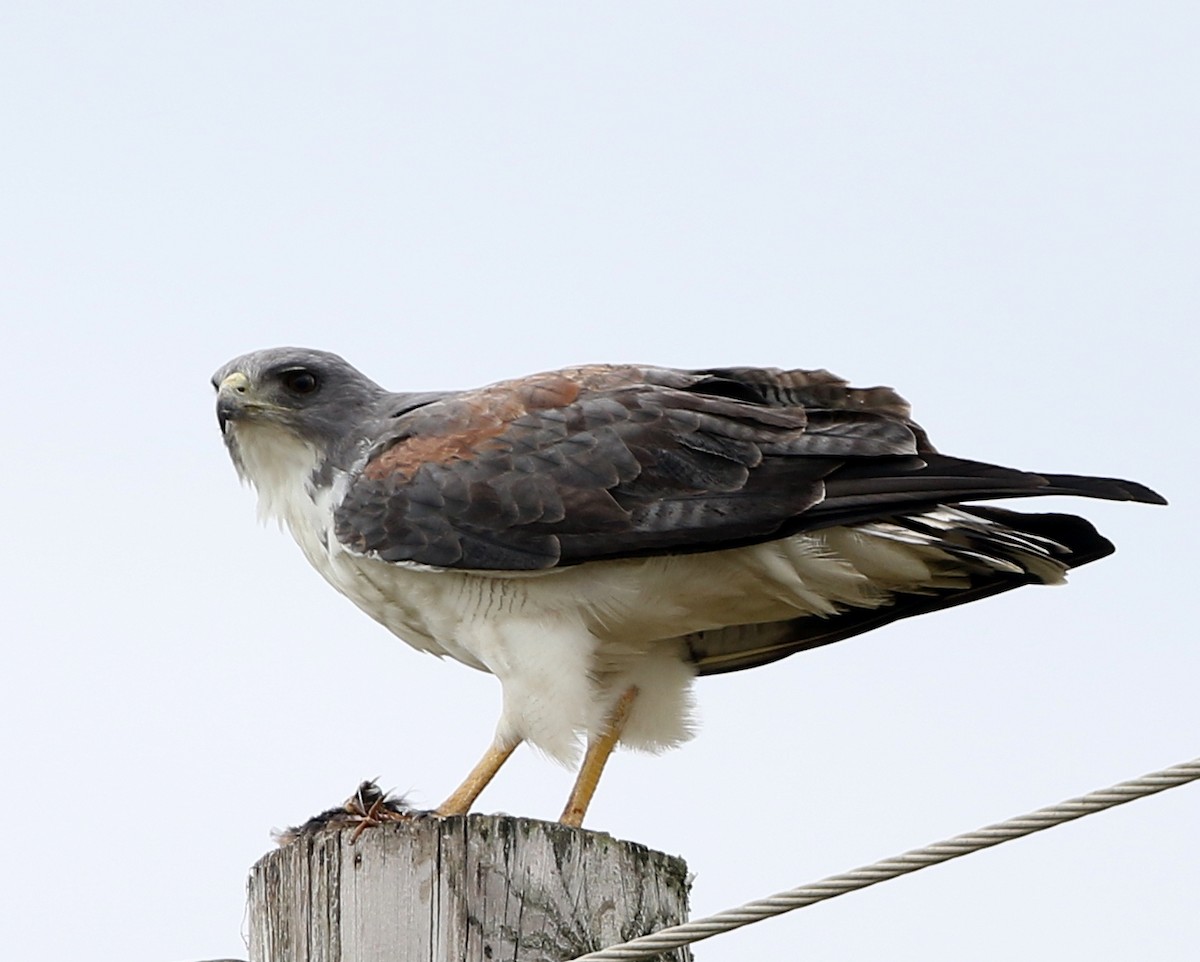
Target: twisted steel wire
<point>675,936</point>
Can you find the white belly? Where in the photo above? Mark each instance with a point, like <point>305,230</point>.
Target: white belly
<point>565,643</point>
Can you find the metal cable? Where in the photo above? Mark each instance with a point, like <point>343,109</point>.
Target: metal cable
<point>677,935</point>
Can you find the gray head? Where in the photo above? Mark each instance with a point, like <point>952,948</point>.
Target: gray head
<point>292,394</point>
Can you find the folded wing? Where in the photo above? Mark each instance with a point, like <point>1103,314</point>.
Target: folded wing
<point>617,461</point>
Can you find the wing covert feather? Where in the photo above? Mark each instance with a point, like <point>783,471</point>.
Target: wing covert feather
<point>615,461</point>
<point>610,461</point>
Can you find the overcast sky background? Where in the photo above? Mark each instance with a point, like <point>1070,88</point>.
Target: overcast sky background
<point>992,207</point>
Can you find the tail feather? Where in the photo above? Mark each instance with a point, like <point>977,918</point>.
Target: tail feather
<point>997,548</point>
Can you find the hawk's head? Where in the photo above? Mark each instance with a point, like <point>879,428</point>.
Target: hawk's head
<point>284,409</point>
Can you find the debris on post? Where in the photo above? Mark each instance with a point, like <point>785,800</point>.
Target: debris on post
<point>461,889</point>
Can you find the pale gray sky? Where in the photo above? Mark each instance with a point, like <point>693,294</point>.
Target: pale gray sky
<point>992,207</point>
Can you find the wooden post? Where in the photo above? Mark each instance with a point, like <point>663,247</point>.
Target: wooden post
<point>479,887</point>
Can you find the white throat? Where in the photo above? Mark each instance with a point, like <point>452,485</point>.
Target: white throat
<point>280,466</point>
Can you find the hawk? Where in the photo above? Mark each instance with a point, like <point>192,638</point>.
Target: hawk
<point>598,536</point>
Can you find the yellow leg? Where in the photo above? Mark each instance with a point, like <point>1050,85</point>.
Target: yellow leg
<point>461,799</point>
<point>594,761</point>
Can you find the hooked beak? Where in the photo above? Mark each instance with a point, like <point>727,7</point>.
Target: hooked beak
<point>231,399</point>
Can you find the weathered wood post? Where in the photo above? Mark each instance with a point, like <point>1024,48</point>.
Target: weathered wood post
<point>479,887</point>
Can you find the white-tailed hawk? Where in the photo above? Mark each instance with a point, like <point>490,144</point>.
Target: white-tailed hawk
<point>597,537</point>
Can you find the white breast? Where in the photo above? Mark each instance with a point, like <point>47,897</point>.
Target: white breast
<point>566,642</point>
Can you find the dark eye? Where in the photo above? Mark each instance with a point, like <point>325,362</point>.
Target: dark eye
<point>300,381</point>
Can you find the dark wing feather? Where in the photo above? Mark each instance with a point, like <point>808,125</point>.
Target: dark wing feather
<point>606,461</point>
<point>871,489</point>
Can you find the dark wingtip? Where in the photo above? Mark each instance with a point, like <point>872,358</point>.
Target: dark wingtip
<point>1111,489</point>
<point>1144,494</point>
<point>1133,491</point>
